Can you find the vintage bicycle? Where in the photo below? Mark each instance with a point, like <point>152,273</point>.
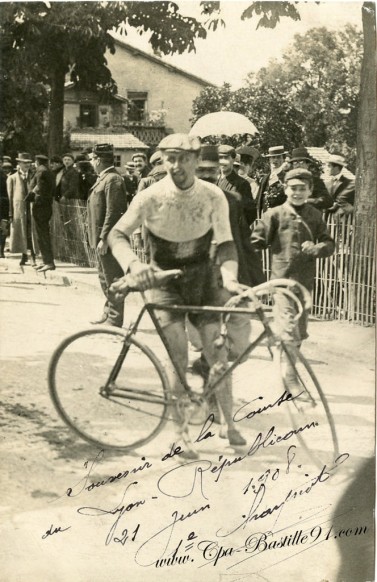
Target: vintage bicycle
<point>112,390</point>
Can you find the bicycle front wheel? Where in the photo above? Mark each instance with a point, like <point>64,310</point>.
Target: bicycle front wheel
<point>108,388</point>
<point>308,410</point>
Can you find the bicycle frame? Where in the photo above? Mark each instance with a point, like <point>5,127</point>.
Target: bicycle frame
<point>150,308</point>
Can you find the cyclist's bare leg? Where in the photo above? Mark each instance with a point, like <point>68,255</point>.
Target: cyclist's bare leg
<point>176,336</point>
<point>217,358</point>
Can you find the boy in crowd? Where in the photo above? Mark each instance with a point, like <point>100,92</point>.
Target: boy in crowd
<point>297,236</point>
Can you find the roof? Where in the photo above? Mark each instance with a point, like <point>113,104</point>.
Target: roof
<point>320,154</point>
<point>173,68</point>
<point>125,141</point>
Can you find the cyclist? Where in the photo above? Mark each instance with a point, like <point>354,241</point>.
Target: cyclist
<point>181,216</point>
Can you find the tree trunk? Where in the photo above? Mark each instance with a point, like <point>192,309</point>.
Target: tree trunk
<point>366,126</point>
<point>56,113</point>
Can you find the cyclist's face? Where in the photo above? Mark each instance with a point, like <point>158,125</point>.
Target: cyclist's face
<point>181,167</point>
<point>297,192</point>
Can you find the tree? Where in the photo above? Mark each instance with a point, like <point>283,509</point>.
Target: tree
<point>52,40</point>
<point>268,108</point>
<point>320,75</point>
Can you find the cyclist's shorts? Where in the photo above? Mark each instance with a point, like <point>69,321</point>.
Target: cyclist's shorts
<point>199,285</point>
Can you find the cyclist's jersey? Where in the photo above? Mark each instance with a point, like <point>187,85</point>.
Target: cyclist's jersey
<point>182,223</point>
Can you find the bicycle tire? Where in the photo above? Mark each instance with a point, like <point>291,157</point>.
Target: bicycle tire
<point>309,410</point>
<point>131,411</point>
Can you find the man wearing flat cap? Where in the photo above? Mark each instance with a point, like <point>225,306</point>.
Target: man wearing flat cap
<point>42,194</point>
<point>229,180</point>
<point>107,202</point>
<point>182,215</point>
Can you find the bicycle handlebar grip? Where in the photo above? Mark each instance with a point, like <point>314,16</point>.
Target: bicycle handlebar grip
<point>127,283</point>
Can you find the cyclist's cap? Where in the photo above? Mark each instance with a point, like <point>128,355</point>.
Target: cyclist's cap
<point>209,157</point>
<point>180,142</point>
<point>299,175</point>
<point>226,150</point>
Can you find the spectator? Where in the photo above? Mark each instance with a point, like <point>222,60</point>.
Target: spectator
<point>106,203</point>
<point>297,236</point>
<point>247,158</point>
<point>341,186</point>
<point>230,181</point>
<point>69,184</point>
<point>319,198</point>
<point>141,165</point>
<point>87,178</point>
<point>4,210</point>
<point>57,168</point>
<point>130,180</point>
<point>249,265</point>
<point>7,166</point>
<point>23,237</point>
<point>42,194</point>
<point>271,187</point>
<point>156,159</point>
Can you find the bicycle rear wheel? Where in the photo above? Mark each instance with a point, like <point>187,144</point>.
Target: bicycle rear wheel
<point>308,410</point>
<point>111,390</point>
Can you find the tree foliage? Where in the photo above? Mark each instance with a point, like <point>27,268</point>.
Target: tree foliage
<point>268,108</point>
<point>320,74</point>
<point>53,40</point>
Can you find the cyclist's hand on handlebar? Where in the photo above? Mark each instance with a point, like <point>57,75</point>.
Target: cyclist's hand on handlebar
<point>234,287</point>
<point>143,275</point>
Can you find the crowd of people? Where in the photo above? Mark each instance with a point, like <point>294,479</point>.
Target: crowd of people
<point>196,207</point>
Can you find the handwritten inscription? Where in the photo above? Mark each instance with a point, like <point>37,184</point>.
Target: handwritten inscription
<point>54,530</point>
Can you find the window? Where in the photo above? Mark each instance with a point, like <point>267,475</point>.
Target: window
<point>88,115</point>
<point>117,161</point>
<point>137,105</point>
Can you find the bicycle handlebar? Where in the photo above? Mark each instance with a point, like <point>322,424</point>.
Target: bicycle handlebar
<point>286,287</point>
<point>127,283</point>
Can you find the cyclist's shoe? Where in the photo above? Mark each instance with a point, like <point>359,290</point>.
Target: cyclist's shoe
<point>189,455</point>
<point>235,438</point>
<point>233,435</point>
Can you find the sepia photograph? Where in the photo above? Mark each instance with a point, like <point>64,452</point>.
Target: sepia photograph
<point>188,291</point>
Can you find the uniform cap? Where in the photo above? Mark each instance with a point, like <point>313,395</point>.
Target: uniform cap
<point>103,150</point>
<point>227,150</point>
<point>180,142</point>
<point>299,174</point>
<point>68,155</point>
<point>209,156</point>
<point>139,155</point>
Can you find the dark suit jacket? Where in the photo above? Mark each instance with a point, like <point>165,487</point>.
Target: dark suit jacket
<point>235,183</point>
<point>250,270</point>
<point>106,203</point>
<point>344,192</point>
<point>43,187</point>
<point>70,183</point>
<point>284,229</point>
